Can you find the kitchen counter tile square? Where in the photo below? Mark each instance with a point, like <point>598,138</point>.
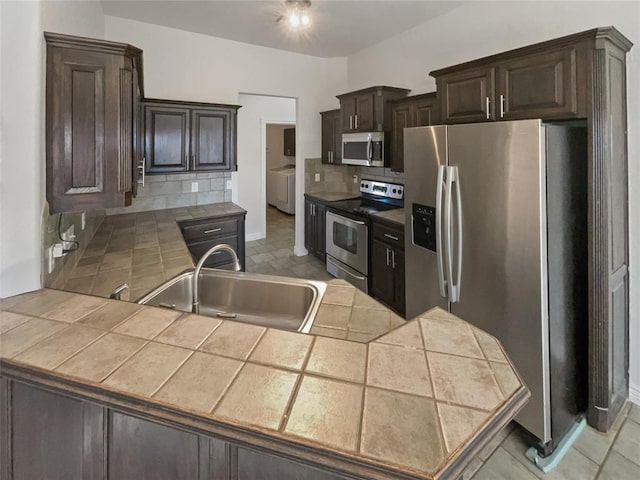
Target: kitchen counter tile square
<point>110,315</point>
<point>54,350</point>
<point>327,411</point>
<point>490,346</point>
<point>333,316</point>
<point>101,357</point>
<point>26,335</point>
<point>408,335</point>
<point>200,382</point>
<point>338,359</point>
<point>259,396</point>
<point>337,295</point>
<point>9,320</point>
<point>189,332</point>
<point>506,378</point>
<point>282,349</point>
<point>398,368</point>
<point>148,322</point>
<point>458,423</point>
<point>465,381</point>
<point>449,336</point>
<point>37,303</point>
<point>370,320</point>
<point>401,429</point>
<point>233,339</point>
<point>148,369</point>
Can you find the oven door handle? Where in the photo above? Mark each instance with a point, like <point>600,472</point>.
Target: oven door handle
<point>344,270</point>
<point>345,219</point>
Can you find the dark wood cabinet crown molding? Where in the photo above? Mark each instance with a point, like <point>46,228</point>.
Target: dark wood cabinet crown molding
<point>378,90</point>
<point>189,104</point>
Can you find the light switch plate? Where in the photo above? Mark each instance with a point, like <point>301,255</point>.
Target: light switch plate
<point>317,177</point>
<point>229,185</point>
<point>194,187</point>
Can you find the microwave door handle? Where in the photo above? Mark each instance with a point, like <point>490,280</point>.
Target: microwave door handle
<point>369,149</point>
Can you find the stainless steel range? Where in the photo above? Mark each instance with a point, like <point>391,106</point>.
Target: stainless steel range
<point>348,230</point>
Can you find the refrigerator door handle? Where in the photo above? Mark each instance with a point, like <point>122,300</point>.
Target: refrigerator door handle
<point>453,179</point>
<point>440,247</point>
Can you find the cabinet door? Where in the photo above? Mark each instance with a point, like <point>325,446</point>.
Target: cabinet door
<point>327,136</point>
<point>365,118</point>
<point>467,96</point>
<point>425,113</point>
<point>539,86</point>
<point>140,449</point>
<point>321,229</point>
<point>382,273</point>
<point>253,465</point>
<point>399,281</point>
<point>52,436</point>
<point>166,139</point>
<point>336,156</point>
<point>348,113</point>
<point>289,142</point>
<point>210,140</point>
<point>309,226</point>
<point>401,118</point>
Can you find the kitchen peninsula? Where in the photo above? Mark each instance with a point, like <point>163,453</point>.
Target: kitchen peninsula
<point>171,392</point>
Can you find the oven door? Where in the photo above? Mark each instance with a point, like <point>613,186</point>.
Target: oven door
<point>347,241</point>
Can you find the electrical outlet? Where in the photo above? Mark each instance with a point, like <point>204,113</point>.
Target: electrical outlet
<point>68,236</point>
<point>194,187</point>
<point>317,177</point>
<point>51,261</point>
<point>83,220</point>
<point>57,251</point>
<point>355,179</point>
<point>229,185</point>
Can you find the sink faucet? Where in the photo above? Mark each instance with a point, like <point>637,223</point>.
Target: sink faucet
<point>195,306</point>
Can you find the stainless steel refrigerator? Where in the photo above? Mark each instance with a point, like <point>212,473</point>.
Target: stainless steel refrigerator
<point>498,219</point>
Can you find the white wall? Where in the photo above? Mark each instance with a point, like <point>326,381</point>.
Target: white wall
<point>22,161</point>
<point>257,111</point>
<point>188,66</point>
<point>480,28</point>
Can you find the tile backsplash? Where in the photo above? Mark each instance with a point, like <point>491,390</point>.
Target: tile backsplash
<point>339,178</point>
<point>175,190</point>
<point>65,265</point>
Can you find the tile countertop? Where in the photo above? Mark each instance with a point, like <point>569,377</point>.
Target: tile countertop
<point>419,401</point>
<point>396,215</point>
<point>332,196</point>
<point>140,249</point>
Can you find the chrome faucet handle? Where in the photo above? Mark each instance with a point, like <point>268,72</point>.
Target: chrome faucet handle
<point>117,293</point>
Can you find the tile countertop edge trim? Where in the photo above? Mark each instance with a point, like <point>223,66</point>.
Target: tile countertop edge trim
<point>267,442</point>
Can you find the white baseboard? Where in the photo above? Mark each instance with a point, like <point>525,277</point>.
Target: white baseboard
<point>250,237</point>
<point>634,393</point>
<point>299,251</point>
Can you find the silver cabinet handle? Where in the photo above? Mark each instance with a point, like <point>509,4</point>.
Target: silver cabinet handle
<point>351,122</point>
<point>502,102</point>
<point>213,230</point>
<point>142,167</point>
<point>488,106</point>
<point>391,237</point>
<point>193,162</point>
<point>387,256</point>
<point>393,259</point>
<point>439,245</point>
<point>356,122</point>
<point>330,157</point>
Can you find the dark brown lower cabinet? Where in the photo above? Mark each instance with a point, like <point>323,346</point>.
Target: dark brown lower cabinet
<point>387,264</point>
<point>315,214</point>
<point>53,436</point>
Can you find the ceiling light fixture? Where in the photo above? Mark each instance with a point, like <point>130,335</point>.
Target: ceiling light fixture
<point>298,13</point>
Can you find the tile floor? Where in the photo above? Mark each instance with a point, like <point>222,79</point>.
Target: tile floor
<point>274,255</point>
<point>615,456</point>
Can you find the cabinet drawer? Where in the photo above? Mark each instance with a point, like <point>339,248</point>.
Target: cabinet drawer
<point>387,233</point>
<point>212,229</point>
<point>217,259</point>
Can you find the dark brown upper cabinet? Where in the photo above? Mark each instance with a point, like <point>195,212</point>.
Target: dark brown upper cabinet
<point>289,142</point>
<point>415,111</point>
<point>92,94</point>
<point>365,110</point>
<point>331,137</point>
<point>541,84</point>
<point>189,136</point>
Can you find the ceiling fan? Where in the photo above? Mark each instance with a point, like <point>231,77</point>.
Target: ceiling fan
<point>297,13</point>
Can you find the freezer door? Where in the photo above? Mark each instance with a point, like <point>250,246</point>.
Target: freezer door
<point>425,156</point>
<point>501,177</point>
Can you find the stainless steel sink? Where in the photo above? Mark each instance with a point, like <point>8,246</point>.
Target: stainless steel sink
<point>279,302</point>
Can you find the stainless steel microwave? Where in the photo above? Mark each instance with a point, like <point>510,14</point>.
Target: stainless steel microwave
<point>363,148</point>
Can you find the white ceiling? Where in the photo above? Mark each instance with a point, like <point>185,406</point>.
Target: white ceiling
<point>339,27</point>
